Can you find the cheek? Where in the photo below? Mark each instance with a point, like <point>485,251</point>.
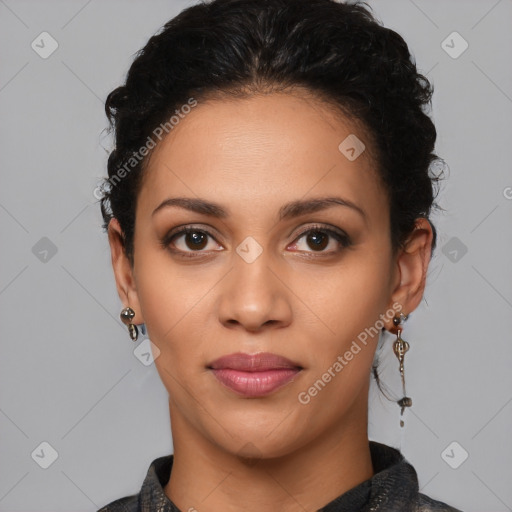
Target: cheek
<point>167,291</point>
<point>177,308</point>
<point>351,298</point>
<point>341,358</point>
<point>349,306</point>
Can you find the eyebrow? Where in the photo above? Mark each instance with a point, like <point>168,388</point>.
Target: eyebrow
<point>287,211</point>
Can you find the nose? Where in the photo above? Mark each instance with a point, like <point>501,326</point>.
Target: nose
<point>254,296</point>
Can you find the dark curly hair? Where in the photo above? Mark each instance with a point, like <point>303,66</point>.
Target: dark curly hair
<point>338,52</point>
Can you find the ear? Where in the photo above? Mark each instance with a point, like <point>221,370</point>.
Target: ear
<point>412,265</point>
<point>123,271</point>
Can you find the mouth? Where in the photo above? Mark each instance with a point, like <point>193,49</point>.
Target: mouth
<point>254,375</point>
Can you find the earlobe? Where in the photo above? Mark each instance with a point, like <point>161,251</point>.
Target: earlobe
<point>123,271</point>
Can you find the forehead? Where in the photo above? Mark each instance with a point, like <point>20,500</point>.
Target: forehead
<point>262,150</point>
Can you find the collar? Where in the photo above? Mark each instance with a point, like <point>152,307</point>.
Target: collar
<point>393,486</point>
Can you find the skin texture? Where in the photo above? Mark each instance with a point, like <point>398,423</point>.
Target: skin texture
<point>252,156</point>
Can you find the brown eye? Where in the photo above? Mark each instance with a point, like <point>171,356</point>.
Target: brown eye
<point>196,240</point>
<point>317,240</point>
<point>190,240</point>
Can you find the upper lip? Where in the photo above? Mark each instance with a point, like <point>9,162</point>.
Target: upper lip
<point>253,362</point>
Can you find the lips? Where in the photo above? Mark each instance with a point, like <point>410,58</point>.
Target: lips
<point>254,375</point>
<point>253,363</point>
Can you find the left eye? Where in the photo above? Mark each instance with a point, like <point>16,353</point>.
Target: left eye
<point>318,239</point>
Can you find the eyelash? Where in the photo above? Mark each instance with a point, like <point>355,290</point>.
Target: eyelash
<point>340,237</point>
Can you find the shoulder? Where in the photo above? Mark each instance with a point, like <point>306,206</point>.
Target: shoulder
<point>151,491</point>
<point>126,504</point>
<point>427,504</point>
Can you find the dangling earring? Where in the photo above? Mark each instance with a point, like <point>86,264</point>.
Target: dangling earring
<point>400,347</point>
<point>127,315</point>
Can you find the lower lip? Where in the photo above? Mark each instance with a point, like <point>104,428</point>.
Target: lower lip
<point>253,384</point>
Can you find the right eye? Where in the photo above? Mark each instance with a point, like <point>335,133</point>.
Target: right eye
<point>189,240</point>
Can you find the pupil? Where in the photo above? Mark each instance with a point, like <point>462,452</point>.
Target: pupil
<point>197,239</point>
<point>315,236</point>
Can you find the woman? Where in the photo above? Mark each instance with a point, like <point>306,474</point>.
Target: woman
<point>267,210</point>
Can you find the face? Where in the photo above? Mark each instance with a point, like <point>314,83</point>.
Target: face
<point>259,273</point>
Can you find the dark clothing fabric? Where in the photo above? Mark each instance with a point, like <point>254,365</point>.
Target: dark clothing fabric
<point>392,488</point>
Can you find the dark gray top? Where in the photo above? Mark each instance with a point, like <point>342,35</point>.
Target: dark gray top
<point>393,488</point>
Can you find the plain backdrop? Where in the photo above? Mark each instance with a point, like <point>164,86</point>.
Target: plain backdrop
<point>73,393</point>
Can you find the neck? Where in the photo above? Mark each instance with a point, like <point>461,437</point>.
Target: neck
<point>207,478</point>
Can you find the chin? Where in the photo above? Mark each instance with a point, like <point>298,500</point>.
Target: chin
<point>255,444</point>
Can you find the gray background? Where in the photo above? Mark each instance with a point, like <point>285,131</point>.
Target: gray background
<point>69,376</point>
